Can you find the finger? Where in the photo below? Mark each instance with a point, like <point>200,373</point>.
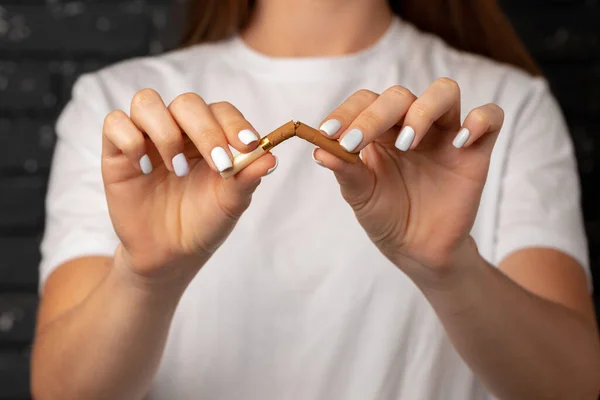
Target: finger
<point>197,121</point>
<point>381,115</point>
<point>339,120</point>
<point>239,132</point>
<point>439,104</point>
<point>481,128</point>
<point>120,136</point>
<point>150,115</point>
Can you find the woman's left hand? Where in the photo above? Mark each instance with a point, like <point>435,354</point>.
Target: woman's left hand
<point>415,193</point>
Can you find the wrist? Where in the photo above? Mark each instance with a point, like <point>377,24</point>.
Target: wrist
<point>448,272</point>
<point>460,285</point>
<point>171,283</point>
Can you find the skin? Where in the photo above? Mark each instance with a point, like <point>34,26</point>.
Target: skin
<point>110,316</point>
<point>419,206</point>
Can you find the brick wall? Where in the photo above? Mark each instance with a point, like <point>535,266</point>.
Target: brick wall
<point>45,45</point>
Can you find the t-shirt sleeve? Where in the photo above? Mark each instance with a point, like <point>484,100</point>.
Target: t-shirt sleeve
<point>77,219</point>
<point>540,190</point>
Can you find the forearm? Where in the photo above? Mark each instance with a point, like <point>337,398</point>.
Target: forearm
<point>109,346</point>
<point>520,345</point>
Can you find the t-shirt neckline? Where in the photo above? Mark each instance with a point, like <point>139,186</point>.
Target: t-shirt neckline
<point>241,56</point>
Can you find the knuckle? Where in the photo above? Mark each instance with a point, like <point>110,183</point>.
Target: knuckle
<point>212,134</point>
<point>229,117</point>
<point>184,100</point>
<point>131,144</point>
<point>343,113</point>
<point>398,91</point>
<point>448,84</point>
<point>498,110</point>
<point>366,95</point>
<point>221,106</point>
<point>480,117</point>
<point>145,97</point>
<point>114,119</point>
<point>369,119</point>
<point>421,111</point>
<point>169,140</point>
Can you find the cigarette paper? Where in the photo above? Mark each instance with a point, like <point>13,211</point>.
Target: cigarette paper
<point>331,146</point>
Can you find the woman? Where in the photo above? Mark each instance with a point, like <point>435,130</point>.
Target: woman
<point>163,280</point>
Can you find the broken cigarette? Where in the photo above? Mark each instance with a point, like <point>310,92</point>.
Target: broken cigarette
<point>283,133</point>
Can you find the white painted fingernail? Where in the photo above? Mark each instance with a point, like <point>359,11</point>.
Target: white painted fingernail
<point>221,159</point>
<point>352,139</point>
<point>270,171</point>
<point>315,160</point>
<point>461,138</point>
<point>146,164</point>
<point>405,138</point>
<point>247,136</point>
<point>331,127</point>
<point>180,165</point>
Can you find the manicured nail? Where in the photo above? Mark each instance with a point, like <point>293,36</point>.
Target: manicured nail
<point>270,171</point>
<point>461,138</point>
<point>405,138</point>
<point>315,160</point>
<point>180,165</point>
<point>221,159</point>
<point>331,127</point>
<point>146,164</point>
<point>247,136</point>
<point>351,140</point>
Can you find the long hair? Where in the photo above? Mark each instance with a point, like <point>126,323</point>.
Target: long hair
<point>474,26</point>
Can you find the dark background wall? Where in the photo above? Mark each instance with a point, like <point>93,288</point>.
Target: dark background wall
<point>46,44</point>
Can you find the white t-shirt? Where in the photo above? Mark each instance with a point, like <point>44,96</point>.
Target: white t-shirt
<point>298,303</point>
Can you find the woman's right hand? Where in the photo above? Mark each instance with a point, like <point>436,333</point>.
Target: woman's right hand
<point>169,205</point>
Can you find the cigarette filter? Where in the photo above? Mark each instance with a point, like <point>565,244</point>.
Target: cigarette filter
<point>274,138</point>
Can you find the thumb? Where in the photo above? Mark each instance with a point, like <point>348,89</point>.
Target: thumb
<point>237,191</point>
<point>357,181</point>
